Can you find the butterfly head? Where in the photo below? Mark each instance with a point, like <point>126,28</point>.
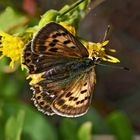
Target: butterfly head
<point>96,60</point>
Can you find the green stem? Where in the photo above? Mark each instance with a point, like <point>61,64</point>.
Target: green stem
<point>71,8</point>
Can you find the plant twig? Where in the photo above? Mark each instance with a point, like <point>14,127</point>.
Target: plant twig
<point>72,7</point>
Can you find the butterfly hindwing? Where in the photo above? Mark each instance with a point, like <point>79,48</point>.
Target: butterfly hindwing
<point>42,100</point>
<point>53,39</point>
<point>70,100</point>
<point>75,99</point>
<point>47,90</point>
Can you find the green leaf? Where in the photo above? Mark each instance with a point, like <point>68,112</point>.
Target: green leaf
<point>120,125</point>
<point>11,88</point>
<point>95,118</point>
<point>68,129</point>
<point>9,19</point>
<point>49,16</point>
<point>73,13</point>
<point>14,126</point>
<point>36,125</point>
<point>84,132</point>
<point>2,123</point>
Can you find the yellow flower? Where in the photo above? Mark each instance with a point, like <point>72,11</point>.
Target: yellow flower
<point>100,50</point>
<point>35,78</point>
<point>69,27</point>
<point>11,46</point>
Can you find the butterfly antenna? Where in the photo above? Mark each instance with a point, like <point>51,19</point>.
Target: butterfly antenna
<point>106,34</point>
<point>115,67</point>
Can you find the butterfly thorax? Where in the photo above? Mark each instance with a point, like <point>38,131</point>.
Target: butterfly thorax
<point>80,65</point>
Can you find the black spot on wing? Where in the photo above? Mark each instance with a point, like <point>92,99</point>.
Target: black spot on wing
<point>27,60</point>
<point>66,42</point>
<point>58,34</point>
<point>71,98</point>
<point>68,94</point>
<point>83,91</point>
<point>42,103</point>
<point>64,34</point>
<point>82,101</point>
<point>87,97</point>
<point>53,49</point>
<point>38,97</point>
<point>54,36</point>
<point>77,102</point>
<point>85,84</point>
<point>55,41</point>
<point>73,47</point>
<point>76,98</point>
<point>60,102</point>
<point>52,44</point>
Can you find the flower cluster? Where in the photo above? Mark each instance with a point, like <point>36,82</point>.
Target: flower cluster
<point>100,50</point>
<point>11,46</point>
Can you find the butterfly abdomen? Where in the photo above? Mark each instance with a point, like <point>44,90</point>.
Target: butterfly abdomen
<point>56,73</point>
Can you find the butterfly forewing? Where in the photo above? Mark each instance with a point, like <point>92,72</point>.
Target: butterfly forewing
<point>53,39</point>
<point>37,63</point>
<point>29,59</point>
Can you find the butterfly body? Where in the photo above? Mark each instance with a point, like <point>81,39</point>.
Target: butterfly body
<point>67,73</point>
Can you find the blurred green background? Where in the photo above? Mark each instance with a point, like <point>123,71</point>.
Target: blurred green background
<point>115,108</point>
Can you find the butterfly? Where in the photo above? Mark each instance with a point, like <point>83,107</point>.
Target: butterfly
<point>67,73</point>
